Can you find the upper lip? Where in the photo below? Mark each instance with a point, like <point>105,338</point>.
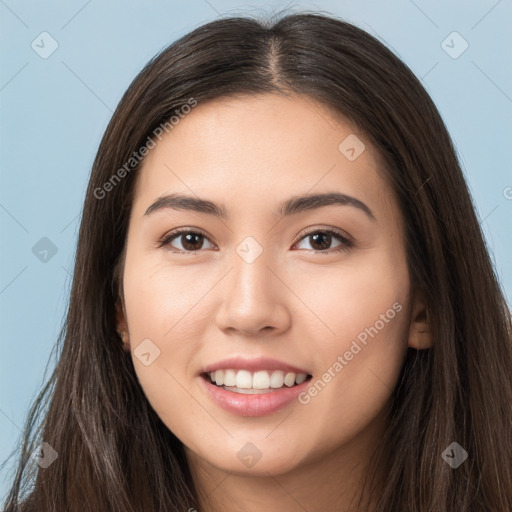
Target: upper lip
<point>253,365</point>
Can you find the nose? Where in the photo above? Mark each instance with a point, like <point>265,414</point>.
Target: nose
<point>253,299</point>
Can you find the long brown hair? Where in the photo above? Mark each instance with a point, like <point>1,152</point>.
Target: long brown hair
<point>115,454</point>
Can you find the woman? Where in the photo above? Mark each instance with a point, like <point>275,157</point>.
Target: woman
<point>337,340</point>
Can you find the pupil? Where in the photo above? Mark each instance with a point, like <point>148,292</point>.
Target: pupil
<point>191,246</point>
<point>325,236</point>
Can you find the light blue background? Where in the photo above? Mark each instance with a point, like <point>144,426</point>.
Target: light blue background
<point>53,113</point>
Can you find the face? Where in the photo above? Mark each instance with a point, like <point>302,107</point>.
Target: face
<point>263,297</point>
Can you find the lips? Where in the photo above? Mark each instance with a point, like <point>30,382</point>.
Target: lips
<point>251,402</point>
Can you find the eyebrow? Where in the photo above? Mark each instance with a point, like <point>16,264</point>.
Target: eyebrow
<point>292,206</point>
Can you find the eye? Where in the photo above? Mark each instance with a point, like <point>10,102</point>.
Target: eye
<point>322,239</point>
<point>190,241</point>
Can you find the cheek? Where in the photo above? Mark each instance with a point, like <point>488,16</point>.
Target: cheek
<point>344,300</point>
<point>160,299</point>
<point>161,304</point>
<point>362,344</point>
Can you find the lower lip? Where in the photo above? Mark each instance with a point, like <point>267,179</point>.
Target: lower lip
<point>253,405</point>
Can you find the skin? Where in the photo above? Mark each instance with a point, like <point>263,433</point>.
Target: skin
<point>251,154</point>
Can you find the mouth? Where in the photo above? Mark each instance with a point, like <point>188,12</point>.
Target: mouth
<point>253,387</point>
<point>255,382</point>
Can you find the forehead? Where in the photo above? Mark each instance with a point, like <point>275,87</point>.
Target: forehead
<point>262,147</point>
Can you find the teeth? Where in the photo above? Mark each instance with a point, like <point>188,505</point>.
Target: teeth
<point>229,377</point>
<point>243,379</point>
<point>277,379</point>
<point>289,379</point>
<point>219,377</point>
<point>263,379</point>
<point>301,377</point>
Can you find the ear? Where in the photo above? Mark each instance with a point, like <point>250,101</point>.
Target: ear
<point>122,324</point>
<point>420,336</point>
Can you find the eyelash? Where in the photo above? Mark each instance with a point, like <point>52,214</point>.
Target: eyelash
<point>346,244</point>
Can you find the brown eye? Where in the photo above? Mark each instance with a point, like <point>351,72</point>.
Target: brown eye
<point>321,240</point>
<point>190,241</point>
